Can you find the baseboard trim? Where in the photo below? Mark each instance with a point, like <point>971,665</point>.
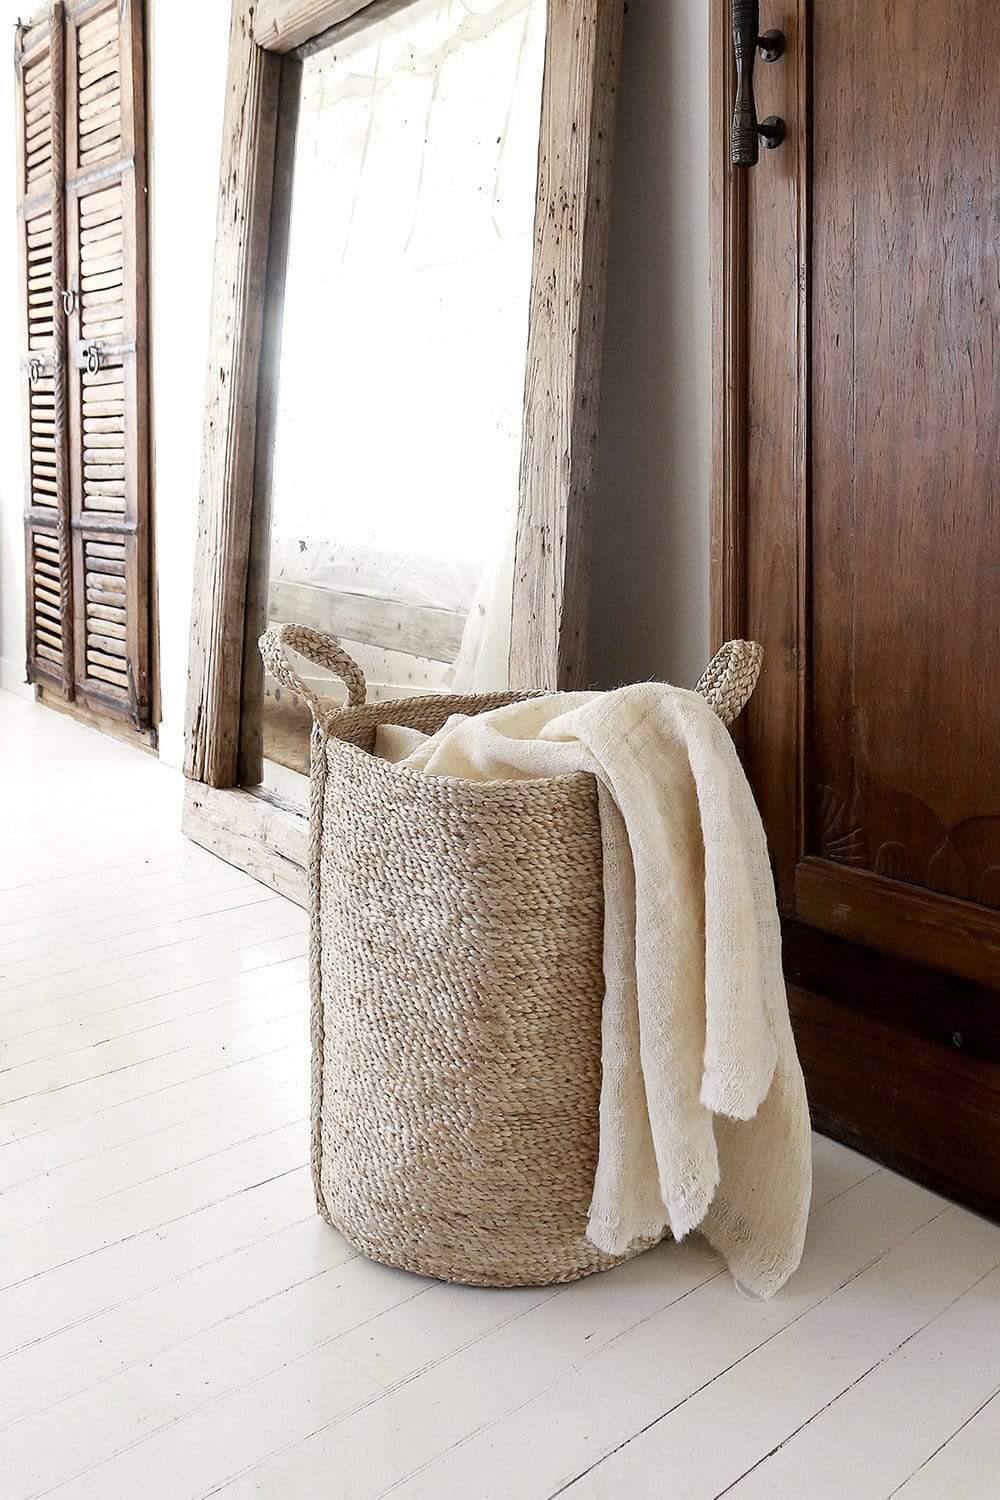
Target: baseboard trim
<point>116,729</point>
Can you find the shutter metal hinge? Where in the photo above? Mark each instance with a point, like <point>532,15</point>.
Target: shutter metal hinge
<point>90,354</point>
<point>37,365</point>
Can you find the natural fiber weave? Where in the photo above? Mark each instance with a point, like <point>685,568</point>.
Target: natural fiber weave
<point>456,936</point>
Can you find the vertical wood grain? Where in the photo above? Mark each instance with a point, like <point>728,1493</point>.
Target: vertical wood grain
<point>132,44</point>
<point>40,43</point>
<point>224,513</point>
<point>760,412</point>
<point>60,277</point>
<point>905,508</point>
<point>251,741</point>
<point>775,534</point>
<point>116,165</point>
<point>565,341</point>
<point>729,283</point>
<point>20,170</point>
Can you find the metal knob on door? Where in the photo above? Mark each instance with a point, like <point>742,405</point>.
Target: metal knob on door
<point>747,132</point>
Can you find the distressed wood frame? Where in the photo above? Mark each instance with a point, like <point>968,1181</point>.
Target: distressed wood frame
<point>566,329</point>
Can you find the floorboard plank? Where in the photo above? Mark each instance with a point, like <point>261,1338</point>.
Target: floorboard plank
<point>94,1030</point>
<point>227,963</point>
<point>857,1445</point>
<point>179,960</point>
<point>47,1151</point>
<point>69,1296</point>
<point>80,1232</point>
<point>964,1468</point>
<point>35,1204</point>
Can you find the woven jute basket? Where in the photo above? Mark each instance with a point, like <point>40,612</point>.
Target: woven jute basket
<point>456,934</point>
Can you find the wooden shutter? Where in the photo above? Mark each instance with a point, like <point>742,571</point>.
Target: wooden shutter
<point>40,170</point>
<point>108,425</point>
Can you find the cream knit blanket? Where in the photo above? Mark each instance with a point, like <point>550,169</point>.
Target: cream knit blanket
<point>703,1115</point>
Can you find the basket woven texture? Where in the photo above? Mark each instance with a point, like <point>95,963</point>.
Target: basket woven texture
<point>456,933</point>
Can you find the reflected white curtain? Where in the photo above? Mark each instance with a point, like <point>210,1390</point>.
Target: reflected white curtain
<point>397,446</point>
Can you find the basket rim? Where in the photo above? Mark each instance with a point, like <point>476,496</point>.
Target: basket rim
<point>535,785</point>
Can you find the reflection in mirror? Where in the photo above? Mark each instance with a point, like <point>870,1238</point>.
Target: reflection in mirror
<point>396,433</point>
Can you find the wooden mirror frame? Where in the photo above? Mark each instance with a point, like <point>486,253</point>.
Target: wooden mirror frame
<point>562,384</point>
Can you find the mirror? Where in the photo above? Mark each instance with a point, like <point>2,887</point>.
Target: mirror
<point>402,246</point>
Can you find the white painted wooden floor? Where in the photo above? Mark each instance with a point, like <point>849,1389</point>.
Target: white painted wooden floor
<point>175,1321</point>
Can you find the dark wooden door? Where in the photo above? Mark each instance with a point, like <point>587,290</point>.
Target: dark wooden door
<point>857,530</point>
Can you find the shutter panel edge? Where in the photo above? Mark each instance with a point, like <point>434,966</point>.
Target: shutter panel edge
<point>39,44</point>
<point>108,448</point>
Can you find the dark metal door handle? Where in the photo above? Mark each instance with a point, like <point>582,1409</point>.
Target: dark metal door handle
<point>747,133</point>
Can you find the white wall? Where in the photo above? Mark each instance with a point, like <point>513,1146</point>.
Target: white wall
<point>187,95</point>
<point>649,615</point>
<point>650,610</point>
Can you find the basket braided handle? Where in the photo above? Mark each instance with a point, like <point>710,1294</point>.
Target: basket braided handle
<point>726,683</point>
<point>321,649</point>
<point>730,678</point>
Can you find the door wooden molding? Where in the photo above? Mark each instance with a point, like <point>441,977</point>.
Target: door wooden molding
<point>729,290</point>
<point>953,936</point>
<point>762,215</point>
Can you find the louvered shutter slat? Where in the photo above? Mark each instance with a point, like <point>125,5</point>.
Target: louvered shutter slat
<point>108,440</point>
<point>39,55</point>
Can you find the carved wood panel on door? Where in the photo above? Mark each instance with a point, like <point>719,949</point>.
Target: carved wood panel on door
<point>905,451</point>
